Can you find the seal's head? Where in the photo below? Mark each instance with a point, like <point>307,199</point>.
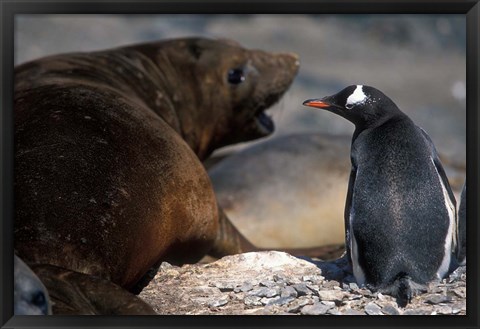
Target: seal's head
<point>222,89</point>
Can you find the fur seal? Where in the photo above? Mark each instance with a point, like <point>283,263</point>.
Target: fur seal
<point>30,297</point>
<point>109,145</point>
<point>400,214</point>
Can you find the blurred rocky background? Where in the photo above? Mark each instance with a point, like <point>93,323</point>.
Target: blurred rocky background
<point>289,190</point>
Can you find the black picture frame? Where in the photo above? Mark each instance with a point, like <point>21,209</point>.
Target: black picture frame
<point>10,8</point>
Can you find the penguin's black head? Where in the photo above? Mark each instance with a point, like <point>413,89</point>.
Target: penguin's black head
<point>362,105</point>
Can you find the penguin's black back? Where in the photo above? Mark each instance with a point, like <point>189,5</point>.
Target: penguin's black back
<point>398,211</point>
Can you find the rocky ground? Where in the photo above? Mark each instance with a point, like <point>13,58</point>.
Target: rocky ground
<point>276,283</point>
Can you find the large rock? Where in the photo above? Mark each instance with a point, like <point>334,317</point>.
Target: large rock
<point>278,283</point>
<point>202,289</point>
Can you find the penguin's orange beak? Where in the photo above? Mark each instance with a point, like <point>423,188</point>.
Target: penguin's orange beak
<point>316,103</point>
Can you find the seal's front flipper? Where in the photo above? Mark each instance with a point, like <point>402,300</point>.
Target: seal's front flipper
<point>77,293</point>
<point>229,240</point>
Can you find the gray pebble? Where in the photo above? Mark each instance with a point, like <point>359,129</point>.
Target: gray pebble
<point>268,283</point>
<point>165,266</point>
<point>460,292</point>
<point>457,274</point>
<point>313,287</point>
<point>444,309</point>
<point>264,292</point>
<point>331,284</point>
<point>297,304</point>
<point>280,300</point>
<point>252,301</point>
<point>351,311</point>
<point>373,309</point>
<point>417,311</point>
<point>280,278</point>
<point>390,310</point>
<point>331,295</point>
<point>218,302</point>
<point>205,291</point>
<point>289,291</point>
<point>328,303</point>
<point>437,299</point>
<point>353,286</point>
<point>302,289</point>
<point>315,309</point>
<point>334,311</point>
<point>246,286</point>
<point>458,307</point>
<point>265,300</point>
<point>312,278</point>
<point>225,286</point>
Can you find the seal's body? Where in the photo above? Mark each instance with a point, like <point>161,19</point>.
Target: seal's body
<point>400,210</point>
<point>108,149</point>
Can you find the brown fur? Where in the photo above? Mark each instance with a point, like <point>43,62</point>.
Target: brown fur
<point>108,149</point>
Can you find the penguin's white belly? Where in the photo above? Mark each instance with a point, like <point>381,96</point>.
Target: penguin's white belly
<point>357,269</point>
<point>444,266</point>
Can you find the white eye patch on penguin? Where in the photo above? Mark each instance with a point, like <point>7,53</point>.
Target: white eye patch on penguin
<point>356,98</point>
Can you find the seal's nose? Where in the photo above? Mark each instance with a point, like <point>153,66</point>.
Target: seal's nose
<point>295,57</point>
<point>291,60</point>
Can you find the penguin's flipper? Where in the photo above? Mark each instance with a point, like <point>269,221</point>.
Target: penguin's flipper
<point>348,207</point>
<point>446,185</point>
<point>438,165</point>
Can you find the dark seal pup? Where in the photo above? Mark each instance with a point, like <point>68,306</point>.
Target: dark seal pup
<point>400,211</point>
<point>109,180</point>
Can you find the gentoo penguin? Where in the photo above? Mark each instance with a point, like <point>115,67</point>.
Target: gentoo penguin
<point>400,215</point>
<point>462,233</point>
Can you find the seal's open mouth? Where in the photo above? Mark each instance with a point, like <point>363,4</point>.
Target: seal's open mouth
<point>264,122</point>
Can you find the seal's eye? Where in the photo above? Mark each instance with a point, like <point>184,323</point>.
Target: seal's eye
<point>236,76</point>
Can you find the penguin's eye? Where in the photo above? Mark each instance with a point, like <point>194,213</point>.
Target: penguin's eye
<point>236,76</point>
